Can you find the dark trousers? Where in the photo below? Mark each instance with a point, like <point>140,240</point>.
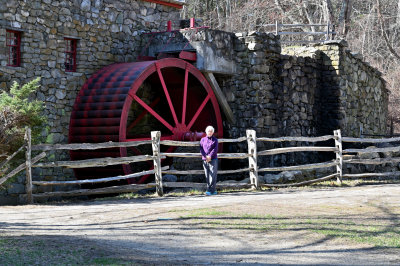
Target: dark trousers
<point>211,169</point>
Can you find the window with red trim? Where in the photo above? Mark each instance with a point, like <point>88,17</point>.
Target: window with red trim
<point>13,44</point>
<point>70,54</point>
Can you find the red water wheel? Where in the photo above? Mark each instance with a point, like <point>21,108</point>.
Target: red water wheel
<point>126,101</point>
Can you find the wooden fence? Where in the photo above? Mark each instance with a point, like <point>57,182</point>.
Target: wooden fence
<point>252,155</point>
<point>281,29</point>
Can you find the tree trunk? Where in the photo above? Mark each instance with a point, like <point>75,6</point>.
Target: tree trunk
<point>398,15</point>
<point>344,18</point>
<point>328,11</point>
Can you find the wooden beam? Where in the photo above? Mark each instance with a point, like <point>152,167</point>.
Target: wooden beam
<point>106,161</point>
<point>21,167</point>
<point>299,167</point>
<point>339,155</point>
<point>97,191</point>
<point>308,182</point>
<point>308,139</point>
<point>220,96</point>
<point>189,56</point>
<point>176,4</point>
<point>252,151</point>
<point>28,165</point>
<point>155,138</point>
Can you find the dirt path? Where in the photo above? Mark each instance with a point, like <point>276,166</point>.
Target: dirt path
<point>184,230</point>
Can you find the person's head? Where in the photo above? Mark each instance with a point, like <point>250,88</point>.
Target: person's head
<point>209,131</point>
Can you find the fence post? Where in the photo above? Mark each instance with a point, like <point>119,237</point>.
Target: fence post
<point>252,145</point>
<point>327,32</point>
<point>276,28</point>
<point>155,143</point>
<point>339,155</point>
<point>28,156</point>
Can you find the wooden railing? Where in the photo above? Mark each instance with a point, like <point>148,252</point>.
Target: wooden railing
<point>284,29</point>
<point>251,155</point>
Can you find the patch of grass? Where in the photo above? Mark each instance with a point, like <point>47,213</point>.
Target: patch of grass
<point>108,261</point>
<point>205,213</point>
<point>52,250</point>
<point>376,231</point>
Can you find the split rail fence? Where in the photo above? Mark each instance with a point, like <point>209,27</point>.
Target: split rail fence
<point>252,155</point>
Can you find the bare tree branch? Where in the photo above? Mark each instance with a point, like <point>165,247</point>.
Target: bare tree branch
<point>385,35</point>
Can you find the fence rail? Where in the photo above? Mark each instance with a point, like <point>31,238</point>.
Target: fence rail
<point>251,155</point>
<point>329,32</point>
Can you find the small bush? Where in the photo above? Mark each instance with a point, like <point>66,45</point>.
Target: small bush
<point>16,112</point>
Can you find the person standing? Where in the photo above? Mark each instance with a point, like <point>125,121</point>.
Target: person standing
<point>209,150</point>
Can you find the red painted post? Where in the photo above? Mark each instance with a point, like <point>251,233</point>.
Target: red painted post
<point>192,22</point>
<point>169,25</point>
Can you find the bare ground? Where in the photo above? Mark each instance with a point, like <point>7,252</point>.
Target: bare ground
<point>261,228</point>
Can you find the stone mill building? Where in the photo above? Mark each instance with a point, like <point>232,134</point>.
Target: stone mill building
<point>153,71</point>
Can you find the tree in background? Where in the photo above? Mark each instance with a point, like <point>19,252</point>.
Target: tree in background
<point>371,27</point>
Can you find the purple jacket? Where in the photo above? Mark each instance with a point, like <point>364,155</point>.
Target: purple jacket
<point>209,146</point>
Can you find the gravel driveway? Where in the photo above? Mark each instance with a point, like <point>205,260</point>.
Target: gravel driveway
<point>165,231</point>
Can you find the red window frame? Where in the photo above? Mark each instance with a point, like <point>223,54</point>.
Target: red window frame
<point>13,44</point>
<point>70,54</point>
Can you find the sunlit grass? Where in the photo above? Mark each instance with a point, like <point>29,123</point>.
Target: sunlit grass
<point>374,231</point>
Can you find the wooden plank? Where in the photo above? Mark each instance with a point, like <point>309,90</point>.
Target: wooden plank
<point>294,25</point>
<point>9,158</point>
<point>308,139</point>
<point>252,151</point>
<point>185,185</point>
<point>372,150</point>
<point>198,172</point>
<point>88,146</point>
<point>372,174</point>
<point>198,155</point>
<point>97,191</point>
<point>302,33</point>
<point>302,41</point>
<point>339,155</point>
<point>180,143</point>
<point>308,182</point>
<point>295,149</point>
<point>92,181</point>
<point>155,138</point>
<point>190,56</point>
<point>221,97</point>
<point>184,172</point>
<point>21,167</point>
<point>28,165</point>
<point>373,161</point>
<point>96,162</point>
<point>197,143</point>
<point>298,167</point>
<point>241,139</point>
<point>220,185</point>
<point>370,140</point>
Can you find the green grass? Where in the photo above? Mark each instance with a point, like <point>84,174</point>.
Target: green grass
<point>378,232</point>
<point>26,250</point>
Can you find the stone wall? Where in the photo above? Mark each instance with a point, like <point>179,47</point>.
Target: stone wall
<point>108,31</point>
<point>302,91</point>
<point>353,94</point>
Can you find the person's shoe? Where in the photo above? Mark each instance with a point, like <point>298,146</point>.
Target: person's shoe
<point>214,193</point>
<point>208,193</point>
